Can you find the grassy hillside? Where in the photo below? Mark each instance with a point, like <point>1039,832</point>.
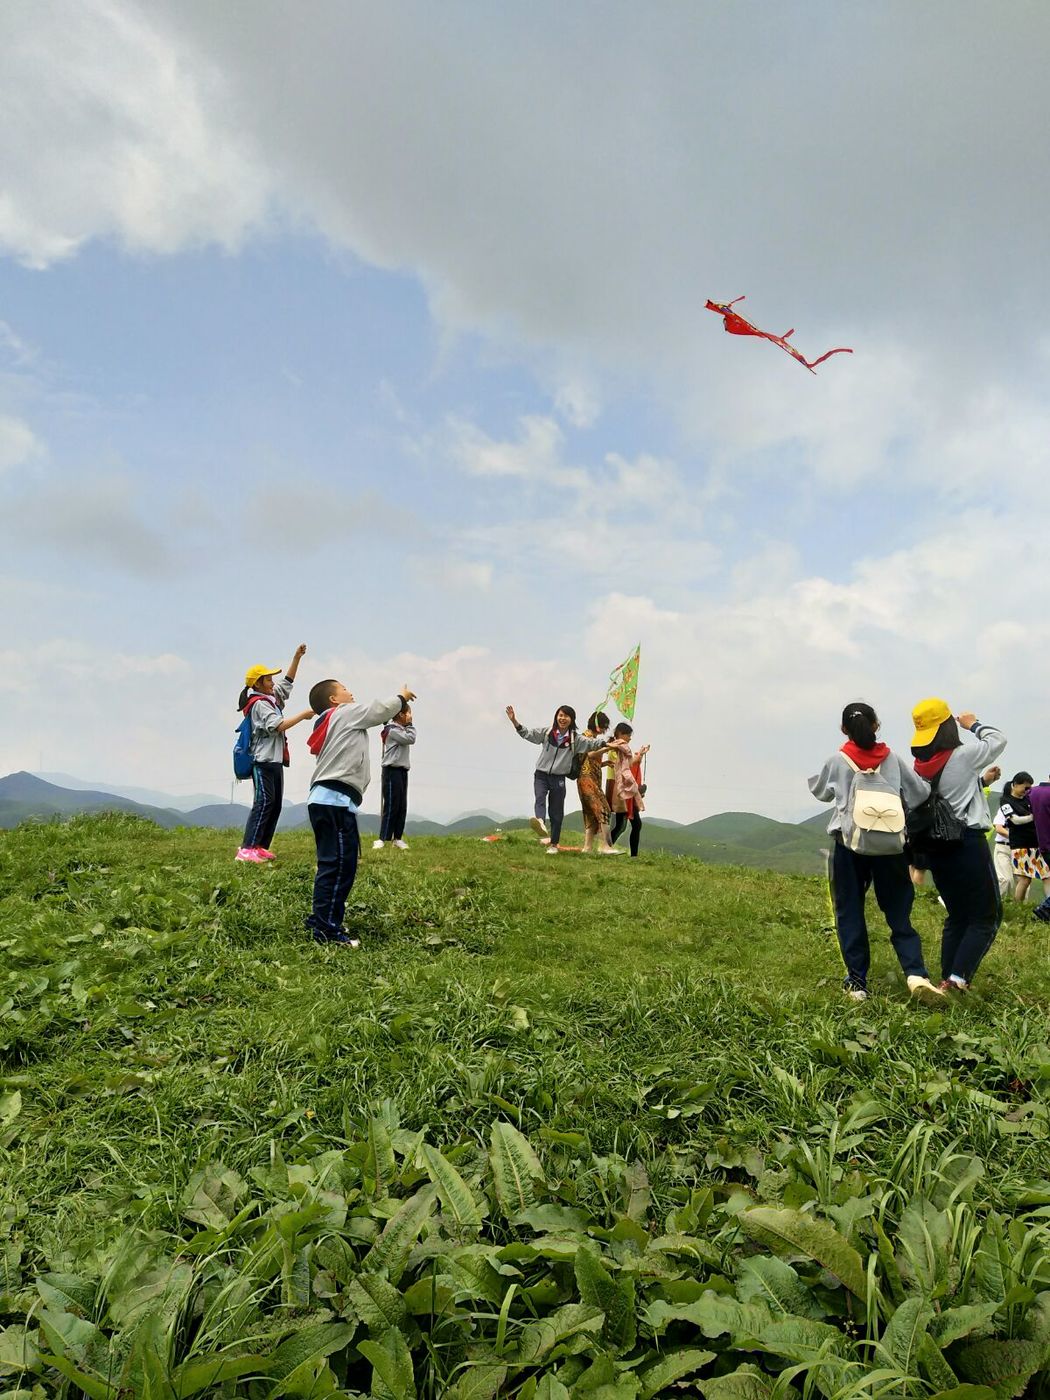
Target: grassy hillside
<point>618,1103</point>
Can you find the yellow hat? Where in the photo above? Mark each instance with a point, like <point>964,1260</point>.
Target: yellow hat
<point>256,673</point>
<point>927,717</point>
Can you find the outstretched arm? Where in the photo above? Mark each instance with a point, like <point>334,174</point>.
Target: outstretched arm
<point>300,652</point>
<point>292,720</point>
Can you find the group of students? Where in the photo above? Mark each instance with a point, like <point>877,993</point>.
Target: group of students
<point>565,754</point>
<point>931,814</point>
<point>339,744</point>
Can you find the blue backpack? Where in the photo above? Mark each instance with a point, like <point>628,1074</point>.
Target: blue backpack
<point>243,762</point>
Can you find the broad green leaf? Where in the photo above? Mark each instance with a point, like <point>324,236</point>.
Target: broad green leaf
<point>1006,1366</point>
<point>614,1296</point>
<point>775,1283</point>
<point>92,1386</point>
<point>955,1323</point>
<point>478,1382</point>
<point>541,1337</point>
<point>802,1339</point>
<point>67,1335</point>
<point>17,1350</point>
<point>202,1373</point>
<point>392,1377</point>
<point>904,1332</point>
<point>794,1232</point>
<point>380,1166</point>
<point>475,1274</point>
<point>376,1301</point>
<point>394,1245</point>
<point>671,1367</point>
<point>10,1108</point>
<point>923,1245</point>
<point>554,1220</point>
<point>211,1196</point>
<point>67,1293</point>
<point>933,1365</point>
<point>714,1314</point>
<point>745,1383</point>
<point>515,1167</point>
<point>298,1357</point>
<point>602,1380</point>
<point>551,1388</point>
<point>456,1196</point>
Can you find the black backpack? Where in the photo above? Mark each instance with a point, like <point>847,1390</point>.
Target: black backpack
<point>933,823</point>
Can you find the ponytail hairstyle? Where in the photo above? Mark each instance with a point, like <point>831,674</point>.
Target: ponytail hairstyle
<point>242,699</point>
<point>860,724</point>
<point>598,722</point>
<point>568,709</point>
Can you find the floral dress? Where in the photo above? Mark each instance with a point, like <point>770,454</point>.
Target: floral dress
<point>589,786</point>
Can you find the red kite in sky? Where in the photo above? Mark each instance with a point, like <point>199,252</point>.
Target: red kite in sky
<point>737,325</point>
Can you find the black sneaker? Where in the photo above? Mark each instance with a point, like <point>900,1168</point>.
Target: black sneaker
<point>343,938</point>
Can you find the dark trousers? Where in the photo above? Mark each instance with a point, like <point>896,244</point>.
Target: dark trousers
<point>965,878</point>
<point>394,806</point>
<point>338,844</point>
<point>850,877</point>
<point>549,791</point>
<point>268,779</point>
<point>636,829</point>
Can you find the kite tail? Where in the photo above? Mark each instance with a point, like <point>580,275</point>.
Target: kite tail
<point>812,364</point>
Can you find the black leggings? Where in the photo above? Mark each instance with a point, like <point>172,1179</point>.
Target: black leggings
<point>636,829</point>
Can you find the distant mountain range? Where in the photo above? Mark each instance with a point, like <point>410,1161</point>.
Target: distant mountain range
<point>731,838</point>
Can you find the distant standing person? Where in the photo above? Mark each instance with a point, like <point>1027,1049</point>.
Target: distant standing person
<point>339,743</point>
<point>871,788</point>
<point>593,802</point>
<point>1026,861</point>
<point>263,699</point>
<point>626,785</point>
<point>398,738</point>
<point>1002,861</point>
<point>1039,797</point>
<point>950,753</point>
<point>561,746</point>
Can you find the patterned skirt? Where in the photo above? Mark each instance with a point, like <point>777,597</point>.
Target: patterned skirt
<point>1028,862</point>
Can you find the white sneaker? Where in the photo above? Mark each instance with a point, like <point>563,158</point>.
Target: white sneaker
<point>378,845</point>
<point>552,850</point>
<point>922,989</point>
<point>538,826</point>
<point>610,851</point>
<point>401,845</point>
<point>545,840</point>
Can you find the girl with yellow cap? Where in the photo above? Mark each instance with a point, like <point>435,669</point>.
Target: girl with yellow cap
<point>263,700</point>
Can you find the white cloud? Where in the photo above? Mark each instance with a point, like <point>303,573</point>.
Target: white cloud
<point>98,518</point>
<point>18,443</point>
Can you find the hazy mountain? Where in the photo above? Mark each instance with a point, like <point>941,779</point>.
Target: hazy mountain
<point>136,794</point>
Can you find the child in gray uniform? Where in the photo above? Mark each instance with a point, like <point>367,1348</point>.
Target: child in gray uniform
<point>398,738</point>
<point>263,699</point>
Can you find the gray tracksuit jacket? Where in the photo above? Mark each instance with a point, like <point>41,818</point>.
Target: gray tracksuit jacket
<point>960,783</point>
<point>835,779</point>
<point>344,754</point>
<point>267,744</point>
<point>557,759</point>
<point>397,751</point>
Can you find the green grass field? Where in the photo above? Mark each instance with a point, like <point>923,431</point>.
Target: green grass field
<point>579,1126</point>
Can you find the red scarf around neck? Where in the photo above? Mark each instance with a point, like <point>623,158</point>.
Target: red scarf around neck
<point>929,767</point>
<point>867,759</point>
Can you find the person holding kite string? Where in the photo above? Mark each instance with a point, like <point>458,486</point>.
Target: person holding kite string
<point>626,785</point>
<point>562,748</point>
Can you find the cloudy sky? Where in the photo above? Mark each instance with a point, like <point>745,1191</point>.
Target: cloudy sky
<point>381,327</point>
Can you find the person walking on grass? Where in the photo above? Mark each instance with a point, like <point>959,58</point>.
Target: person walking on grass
<point>339,743</point>
<point>262,701</point>
<point>1026,862</point>
<point>593,802</point>
<point>562,749</point>
<point>871,788</point>
<point>950,753</point>
<point>1039,797</point>
<point>625,785</point>
<point>398,738</point>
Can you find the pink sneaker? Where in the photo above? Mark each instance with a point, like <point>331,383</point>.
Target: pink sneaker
<point>266,855</point>
<point>251,853</point>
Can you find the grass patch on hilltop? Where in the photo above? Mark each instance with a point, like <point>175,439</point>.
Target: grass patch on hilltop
<point>183,1070</point>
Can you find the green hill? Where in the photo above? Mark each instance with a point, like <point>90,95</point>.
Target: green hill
<point>226,1152</point>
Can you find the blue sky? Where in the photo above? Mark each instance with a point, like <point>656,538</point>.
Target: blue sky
<point>385,332</point>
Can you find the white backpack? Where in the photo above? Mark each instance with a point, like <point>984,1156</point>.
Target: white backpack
<point>873,824</point>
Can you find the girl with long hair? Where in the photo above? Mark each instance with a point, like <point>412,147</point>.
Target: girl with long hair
<point>562,749</point>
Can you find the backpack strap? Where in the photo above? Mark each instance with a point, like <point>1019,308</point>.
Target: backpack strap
<point>856,766</point>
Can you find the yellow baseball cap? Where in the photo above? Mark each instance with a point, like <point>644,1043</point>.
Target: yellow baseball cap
<point>256,673</point>
<point>927,717</point>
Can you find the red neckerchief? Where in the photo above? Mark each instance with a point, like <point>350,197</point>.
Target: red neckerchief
<point>560,738</point>
<point>286,753</point>
<point>319,734</point>
<point>929,767</point>
<point>867,759</point>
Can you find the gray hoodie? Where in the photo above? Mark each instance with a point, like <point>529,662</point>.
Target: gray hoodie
<point>397,751</point>
<point>960,783</point>
<point>834,780</point>
<point>557,759</point>
<point>267,745</point>
<point>344,753</point>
